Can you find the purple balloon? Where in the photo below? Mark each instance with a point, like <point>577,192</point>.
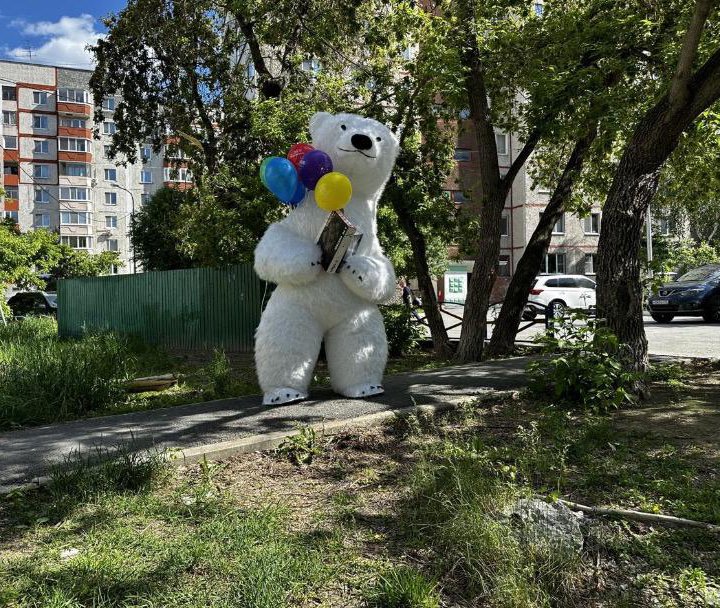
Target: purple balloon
<point>313,166</point>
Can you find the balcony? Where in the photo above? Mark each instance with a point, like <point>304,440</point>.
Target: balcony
<point>74,157</point>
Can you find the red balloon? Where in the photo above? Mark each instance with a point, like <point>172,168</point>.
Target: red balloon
<point>297,151</point>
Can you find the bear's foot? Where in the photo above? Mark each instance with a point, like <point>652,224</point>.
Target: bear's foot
<point>281,396</point>
<point>359,391</point>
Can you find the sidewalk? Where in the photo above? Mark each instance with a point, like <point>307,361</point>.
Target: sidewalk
<point>26,454</point>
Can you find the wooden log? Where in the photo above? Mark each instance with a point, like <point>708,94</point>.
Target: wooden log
<point>151,383</point>
<point>654,518</point>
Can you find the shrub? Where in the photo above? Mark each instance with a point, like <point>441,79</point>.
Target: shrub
<point>219,374</point>
<point>302,447</point>
<point>586,370</point>
<point>45,379</point>
<point>402,330</point>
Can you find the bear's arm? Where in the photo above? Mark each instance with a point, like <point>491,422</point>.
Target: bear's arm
<point>369,277</point>
<point>283,257</point>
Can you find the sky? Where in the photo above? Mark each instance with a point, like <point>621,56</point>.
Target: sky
<point>52,31</point>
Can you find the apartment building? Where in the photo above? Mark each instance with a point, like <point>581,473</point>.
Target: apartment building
<point>573,249</point>
<point>56,176</point>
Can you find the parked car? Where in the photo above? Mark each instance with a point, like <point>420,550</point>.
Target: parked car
<point>694,294</point>
<point>33,303</point>
<point>555,293</point>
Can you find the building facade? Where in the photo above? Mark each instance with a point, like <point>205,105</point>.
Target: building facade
<point>56,176</point>
<point>573,249</point>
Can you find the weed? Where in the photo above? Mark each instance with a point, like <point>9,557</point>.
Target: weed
<point>403,332</point>
<point>219,373</point>
<point>302,447</point>
<point>403,587</point>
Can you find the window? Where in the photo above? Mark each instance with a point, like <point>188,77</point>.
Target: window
<point>76,242</point>
<point>108,103</point>
<point>40,97</point>
<point>9,93</point>
<point>73,95</point>
<point>664,227</point>
<point>109,128</point>
<point>74,218</point>
<point>11,142</point>
<point>11,215</point>
<point>40,121</point>
<point>538,7</point>
<point>145,198</point>
<point>456,284</point>
<point>590,263</point>
<point>501,143</point>
<point>74,169</point>
<point>559,227</point>
<point>41,195</point>
<point>505,225</point>
<point>70,144</point>
<point>462,154</point>
<point>591,224</point>
<point>73,123</point>
<point>41,146</point>
<point>146,152</point>
<point>503,269</point>
<point>111,221</point>
<point>111,175</point>
<point>9,118</point>
<point>311,65</point>
<point>584,283</point>
<point>458,196</point>
<point>145,177</point>
<point>71,193</point>
<point>12,192</point>
<point>554,264</point>
<point>111,198</point>
<point>112,245</point>
<point>42,220</point>
<point>106,151</point>
<point>10,169</point>
<point>41,171</point>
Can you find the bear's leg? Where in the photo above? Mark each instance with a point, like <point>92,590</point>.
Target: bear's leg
<point>287,343</point>
<point>356,352</point>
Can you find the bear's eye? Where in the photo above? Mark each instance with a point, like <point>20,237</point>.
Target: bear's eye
<point>378,138</point>
<point>343,127</point>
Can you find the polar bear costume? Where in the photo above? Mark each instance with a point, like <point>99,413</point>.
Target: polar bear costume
<point>311,305</point>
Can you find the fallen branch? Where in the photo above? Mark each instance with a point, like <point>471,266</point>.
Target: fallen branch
<point>151,383</point>
<point>664,520</point>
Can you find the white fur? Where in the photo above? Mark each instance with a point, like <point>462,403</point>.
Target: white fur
<point>309,304</point>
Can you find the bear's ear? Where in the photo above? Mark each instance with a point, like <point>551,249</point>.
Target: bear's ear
<point>317,120</point>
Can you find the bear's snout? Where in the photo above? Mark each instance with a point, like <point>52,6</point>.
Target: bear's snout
<point>361,142</point>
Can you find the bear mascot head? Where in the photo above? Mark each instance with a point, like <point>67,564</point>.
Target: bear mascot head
<point>309,305</point>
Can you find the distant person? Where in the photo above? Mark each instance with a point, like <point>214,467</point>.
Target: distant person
<point>409,298</point>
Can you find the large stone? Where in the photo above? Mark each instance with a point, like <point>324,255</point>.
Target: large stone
<point>539,522</point>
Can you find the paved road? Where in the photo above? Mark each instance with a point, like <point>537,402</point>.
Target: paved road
<point>684,337</point>
<point>27,453</point>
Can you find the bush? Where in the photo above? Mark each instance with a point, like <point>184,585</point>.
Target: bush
<point>402,330</point>
<point>586,371</point>
<point>45,379</point>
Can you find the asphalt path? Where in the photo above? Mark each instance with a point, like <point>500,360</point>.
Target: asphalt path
<point>29,453</point>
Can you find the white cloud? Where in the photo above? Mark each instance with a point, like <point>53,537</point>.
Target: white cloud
<point>63,42</point>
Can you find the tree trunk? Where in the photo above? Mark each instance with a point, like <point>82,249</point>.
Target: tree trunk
<point>493,191</point>
<point>438,333</point>
<point>506,326</point>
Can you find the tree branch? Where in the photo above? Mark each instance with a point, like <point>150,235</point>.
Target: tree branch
<point>246,28</point>
<point>679,86</point>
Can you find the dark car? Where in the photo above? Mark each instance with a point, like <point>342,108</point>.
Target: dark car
<point>33,303</point>
<point>694,294</point>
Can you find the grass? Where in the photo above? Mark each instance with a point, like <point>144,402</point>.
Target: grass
<point>412,515</point>
<point>44,379</point>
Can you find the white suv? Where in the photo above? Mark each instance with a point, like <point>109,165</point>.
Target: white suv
<point>560,291</point>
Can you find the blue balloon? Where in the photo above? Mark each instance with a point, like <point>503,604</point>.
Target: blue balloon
<point>281,179</point>
<point>299,194</point>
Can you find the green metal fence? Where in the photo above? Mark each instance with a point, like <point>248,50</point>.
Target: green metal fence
<point>194,308</point>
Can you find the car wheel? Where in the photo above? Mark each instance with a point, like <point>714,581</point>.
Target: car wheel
<point>662,317</point>
<point>712,312</point>
<point>556,308</point>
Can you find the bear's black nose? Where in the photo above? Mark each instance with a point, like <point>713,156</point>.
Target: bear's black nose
<point>361,142</point>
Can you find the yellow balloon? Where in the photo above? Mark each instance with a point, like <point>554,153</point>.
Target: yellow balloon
<point>333,191</point>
